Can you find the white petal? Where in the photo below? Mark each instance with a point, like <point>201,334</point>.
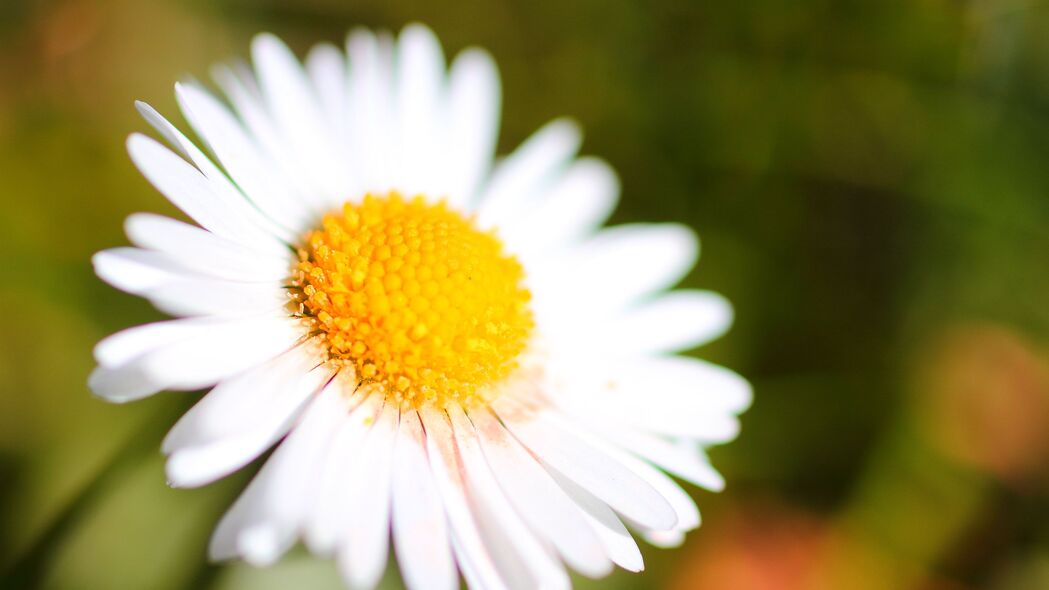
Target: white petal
<point>362,555</point>
<point>684,506</point>
<point>121,347</point>
<point>523,561</point>
<point>263,522</point>
<point>219,351</point>
<point>124,374</point>
<point>244,532</point>
<point>419,86</point>
<point>122,385</point>
<point>297,113</point>
<point>177,290</point>
<point>256,174</point>
<point>530,167</point>
<point>684,459</point>
<point>239,403</point>
<point>664,539</point>
<point>473,123</point>
<point>197,466</point>
<point>675,396</point>
<point>253,229</point>
<point>189,190</point>
<point>676,321</point>
<point>198,296</point>
<point>420,532</point>
<point>371,115</point>
<point>328,518</point>
<point>581,458</point>
<point>204,252</point>
<point>193,466</point>
<point>687,379</point>
<point>327,71</point>
<point>574,205</point>
<point>615,268</point>
<point>134,270</point>
<point>619,545</point>
<point>286,166</point>
<point>539,500</point>
<point>473,557</point>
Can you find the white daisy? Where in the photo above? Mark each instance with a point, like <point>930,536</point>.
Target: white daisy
<point>443,346</point>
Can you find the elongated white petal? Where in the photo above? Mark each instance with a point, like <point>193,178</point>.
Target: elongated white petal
<point>371,116</point>
<point>126,358</point>
<point>674,396</point>
<point>198,465</point>
<point>220,351</point>
<point>420,532</point>
<point>204,252</point>
<point>619,545</point>
<point>136,271</point>
<point>575,204</point>
<point>683,505</point>
<point>263,522</point>
<point>296,111</point>
<point>664,539</point>
<point>523,560</point>
<point>327,70</point>
<point>615,268</point>
<point>684,458</point>
<point>239,403</point>
<point>189,190</point>
<point>122,385</point>
<point>286,165</point>
<point>245,532</point>
<point>473,556</point>
<point>581,458</point>
<point>177,290</point>
<point>254,229</point>
<point>328,517</point>
<point>473,124</point>
<point>362,555</point>
<point>419,89</point>
<point>256,175</point>
<point>676,321</point>
<point>530,167</point>
<point>539,500</point>
<point>126,345</point>
<point>199,296</point>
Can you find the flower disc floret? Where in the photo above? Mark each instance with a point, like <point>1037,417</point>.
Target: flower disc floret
<point>415,297</point>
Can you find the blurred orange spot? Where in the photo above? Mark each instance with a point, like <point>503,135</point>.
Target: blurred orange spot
<point>987,401</point>
<point>760,548</point>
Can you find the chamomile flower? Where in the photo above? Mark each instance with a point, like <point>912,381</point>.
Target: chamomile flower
<point>450,357</point>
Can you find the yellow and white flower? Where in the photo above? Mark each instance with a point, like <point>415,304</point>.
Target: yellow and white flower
<point>446,349</point>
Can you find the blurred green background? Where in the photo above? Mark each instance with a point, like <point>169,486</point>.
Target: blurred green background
<point>870,180</point>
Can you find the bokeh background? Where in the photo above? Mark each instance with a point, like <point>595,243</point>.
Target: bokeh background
<point>870,180</point>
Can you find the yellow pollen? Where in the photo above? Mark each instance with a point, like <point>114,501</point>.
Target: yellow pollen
<point>415,297</point>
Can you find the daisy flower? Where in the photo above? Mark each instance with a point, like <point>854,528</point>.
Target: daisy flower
<point>451,358</point>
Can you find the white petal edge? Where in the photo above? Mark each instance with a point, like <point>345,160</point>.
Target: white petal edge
<point>581,458</point>
<point>515,180</point>
<point>538,498</point>
<point>471,553</point>
<point>523,560</point>
<point>201,251</point>
<point>420,531</point>
<point>364,547</point>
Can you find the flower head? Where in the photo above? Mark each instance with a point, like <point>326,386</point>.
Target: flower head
<point>438,344</point>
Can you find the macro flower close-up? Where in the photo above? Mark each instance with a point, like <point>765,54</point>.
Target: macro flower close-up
<point>392,294</point>
<point>455,362</point>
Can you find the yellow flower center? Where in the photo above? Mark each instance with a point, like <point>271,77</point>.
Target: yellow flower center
<point>416,298</point>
